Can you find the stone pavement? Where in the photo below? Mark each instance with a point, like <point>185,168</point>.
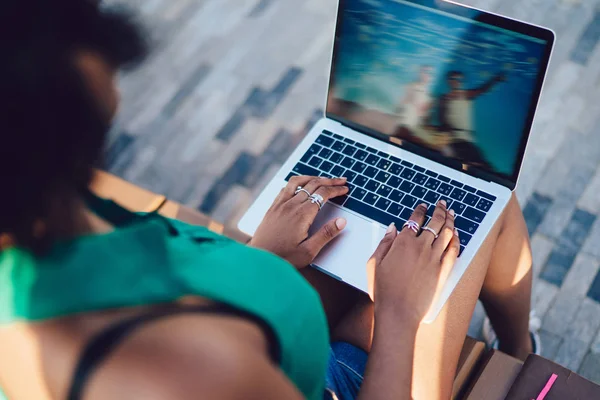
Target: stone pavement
<point>233,85</point>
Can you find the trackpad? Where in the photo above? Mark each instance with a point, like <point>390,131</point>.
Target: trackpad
<point>346,256</point>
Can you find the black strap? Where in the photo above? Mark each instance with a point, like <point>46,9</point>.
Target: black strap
<point>104,343</point>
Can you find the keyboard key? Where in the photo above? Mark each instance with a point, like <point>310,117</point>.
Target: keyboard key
<point>382,176</point>
<point>315,161</point>
<point>349,150</point>
<point>290,175</point>
<point>407,164</point>
<point>459,208</point>
<point>394,182</point>
<point>371,198</point>
<point>444,178</point>
<point>474,215</point>
<point>408,174</point>
<point>325,153</point>
<point>409,201</point>
<point>396,196</point>
<point>361,155</point>
<point>395,169</point>
<point>371,150</point>
<point>383,204</point>
<point>484,205</point>
<point>471,200</point>
<point>358,193</point>
<point>350,187</point>
<point>337,171</point>
<point>372,159</point>
<point>407,186</point>
<point>326,166</point>
<point>431,173</point>
<point>465,225</point>
<point>324,141</point>
<point>384,190</point>
<point>432,197</point>
<point>350,175</point>
<point>361,180</point>
<point>347,162</point>
<point>395,159</point>
<point>420,179</point>
<point>384,164</point>
<point>383,154</point>
<point>325,175</point>
<point>430,210</point>
<point>458,194</point>
<point>445,189</point>
<point>419,192</point>
<point>372,185</point>
<point>359,167</point>
<point>338,137</point>
<point>349,141</point>
<point>470,189</point>
<point>340,200</point>
<point>405,214</point>
<point>462,248</point>
<point>456,183</point>
<point>419,169</point>
<point>432,184</point>
<point>395,209</point>
<point>312,150</point>
<point>336,158</point>
<point>465,238</point>
<point>338,146</point>
<point>371,212</point>
<point>360,145</point>
<point>486,195</point>
<point>371,172</point>
<point>327,133</point>
<point>448,201</point>
<point>302,169</point>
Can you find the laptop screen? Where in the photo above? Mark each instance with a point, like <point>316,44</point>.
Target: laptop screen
<point>441,77</point>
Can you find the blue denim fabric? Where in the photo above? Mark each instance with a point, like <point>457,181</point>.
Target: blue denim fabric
<point>345,371</point>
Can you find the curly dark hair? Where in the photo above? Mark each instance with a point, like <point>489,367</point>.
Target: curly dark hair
<point>52,128</point>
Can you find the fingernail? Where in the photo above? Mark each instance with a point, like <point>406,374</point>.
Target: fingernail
<point>451,212</point>
<point>424,205</point>
<point>390,228</point>
<point>443,203</point>
<point>340,223</point>
<point>455,232</point>
<point>343,178</point>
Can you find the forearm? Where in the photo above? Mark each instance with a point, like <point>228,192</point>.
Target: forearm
<point>389,370</point>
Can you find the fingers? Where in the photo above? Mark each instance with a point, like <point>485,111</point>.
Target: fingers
<point>385,245</point>
<point>419,217</point>
<point>451,254</point>
<point>446,234</point>
<point>288,191</point>
<point>326,234</point>
<point>438,220</point>
<point>314,183</point>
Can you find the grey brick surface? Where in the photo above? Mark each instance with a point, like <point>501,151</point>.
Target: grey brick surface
<point>590,368</point>
<point>550,344</point>
<point>580,275</point>
<point>562,313</point>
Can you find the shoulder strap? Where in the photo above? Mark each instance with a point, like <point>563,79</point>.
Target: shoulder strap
<point>105,342</point>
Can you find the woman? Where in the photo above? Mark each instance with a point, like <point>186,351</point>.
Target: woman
<point>97,303</point>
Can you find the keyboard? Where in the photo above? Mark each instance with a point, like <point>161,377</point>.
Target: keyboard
<point>386,189</point>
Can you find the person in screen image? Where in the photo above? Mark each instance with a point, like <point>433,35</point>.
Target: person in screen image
<point>455,113</point>
<point>416,102</point>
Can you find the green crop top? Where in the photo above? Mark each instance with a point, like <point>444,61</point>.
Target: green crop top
<point>149,259</point>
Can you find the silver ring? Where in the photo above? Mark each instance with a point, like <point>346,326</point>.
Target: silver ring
<point>412,225</point>
<point>317,199</point>
<point>428,229</point>
<point>301,189</point>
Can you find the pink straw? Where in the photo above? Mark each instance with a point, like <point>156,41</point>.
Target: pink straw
<point>547,388</point>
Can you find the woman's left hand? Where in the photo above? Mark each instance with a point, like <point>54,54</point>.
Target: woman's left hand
<point>284,230</point>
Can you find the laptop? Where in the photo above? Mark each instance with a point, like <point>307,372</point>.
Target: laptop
<point>427,100</point>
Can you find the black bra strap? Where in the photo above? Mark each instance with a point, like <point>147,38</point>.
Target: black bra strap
<point>104,343</point>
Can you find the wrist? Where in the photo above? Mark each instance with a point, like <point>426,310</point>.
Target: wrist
<point>391,318</point>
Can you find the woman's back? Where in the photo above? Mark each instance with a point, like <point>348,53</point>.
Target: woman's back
<point>149,260</point>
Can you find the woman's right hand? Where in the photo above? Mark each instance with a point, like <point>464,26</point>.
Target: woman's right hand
<point>408,270</point>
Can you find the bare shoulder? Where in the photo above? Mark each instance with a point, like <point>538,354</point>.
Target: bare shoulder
<point>192,357</point>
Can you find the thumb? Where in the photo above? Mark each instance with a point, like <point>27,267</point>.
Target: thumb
<point>385,245</point>
<point>326,234</point>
